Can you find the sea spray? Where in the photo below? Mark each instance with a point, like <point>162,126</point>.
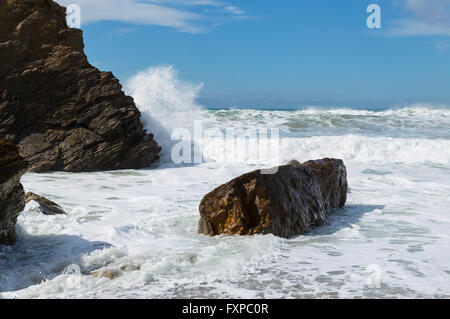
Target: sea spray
<point>168,106</point>
<point>166,103</point>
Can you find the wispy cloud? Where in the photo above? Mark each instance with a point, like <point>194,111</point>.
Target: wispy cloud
<point>123,31</point>
<point>443,46</point>
<point>182,15</point>
<point>423,17</point>
<point>234,10</point>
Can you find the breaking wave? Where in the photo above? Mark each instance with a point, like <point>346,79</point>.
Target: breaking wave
<point>165,101</point>
<point>418,133</point>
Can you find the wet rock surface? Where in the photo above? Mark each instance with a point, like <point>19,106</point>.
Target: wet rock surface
<point>290,202</point>
<point>12,203</point>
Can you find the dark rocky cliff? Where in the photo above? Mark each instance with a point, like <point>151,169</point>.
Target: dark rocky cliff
<point>12,202</point>
<point>63,113</point>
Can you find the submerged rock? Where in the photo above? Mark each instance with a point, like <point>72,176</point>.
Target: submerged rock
<point>47,207</point>
<point>287,203</point>
<point>63,113</point>
<point>110,274</point>
<point>12,202</point>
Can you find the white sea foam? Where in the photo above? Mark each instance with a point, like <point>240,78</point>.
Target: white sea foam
<point>417,109</point>
<point>143,224</point>
<point>361,149</point>
<point>350,148</point>
<point>398,135</point>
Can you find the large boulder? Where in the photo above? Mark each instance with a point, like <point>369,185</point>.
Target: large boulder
<point>286,203</point>
<point>12,202</point>
<point>64,114</point>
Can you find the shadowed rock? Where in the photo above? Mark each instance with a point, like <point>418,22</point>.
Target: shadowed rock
<point>63,113</point>
<point>47,207</point>
<point>287,203</point>
<point>12,203</point>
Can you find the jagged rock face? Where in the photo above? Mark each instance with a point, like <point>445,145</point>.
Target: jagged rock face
<point>12,202</point>
<point>64,114</point>
<point>287,203</point>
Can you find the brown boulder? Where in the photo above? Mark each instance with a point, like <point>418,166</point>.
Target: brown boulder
<point>287,203</point>
<point>63,113</point>
<point>47,207</point>
<point>12,203</point>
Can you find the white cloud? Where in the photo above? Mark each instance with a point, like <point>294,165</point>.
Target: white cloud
<point>176,14</point>
<point>425,17</point>
<point>435,11</point>
<point>234,10</point>
<point>123,31</point>
<point>411,27</point>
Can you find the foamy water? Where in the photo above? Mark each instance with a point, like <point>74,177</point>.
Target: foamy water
<point>390,241</point>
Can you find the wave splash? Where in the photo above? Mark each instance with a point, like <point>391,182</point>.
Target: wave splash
<point>414,134</point>
<point>159,90</point>
<point>166,102</point>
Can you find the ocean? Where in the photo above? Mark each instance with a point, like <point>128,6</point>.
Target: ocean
<point>391,240</point>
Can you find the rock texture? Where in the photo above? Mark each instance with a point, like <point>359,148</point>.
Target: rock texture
<point>287,203</point>
<point>64,114</point>
<point>47,207</point>
<point>109,274</point>
<point>12,167</point>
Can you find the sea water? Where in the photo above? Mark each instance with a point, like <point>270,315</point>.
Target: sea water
<point>391,240</point>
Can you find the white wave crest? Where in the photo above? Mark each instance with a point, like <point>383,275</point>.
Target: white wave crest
<point>165,101</point>
<point>414,110</point>
<point>350,148</point>
<point>159,90</point>
<point>363,149</point>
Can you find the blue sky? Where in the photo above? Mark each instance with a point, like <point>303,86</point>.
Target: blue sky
<point>279,53</point>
